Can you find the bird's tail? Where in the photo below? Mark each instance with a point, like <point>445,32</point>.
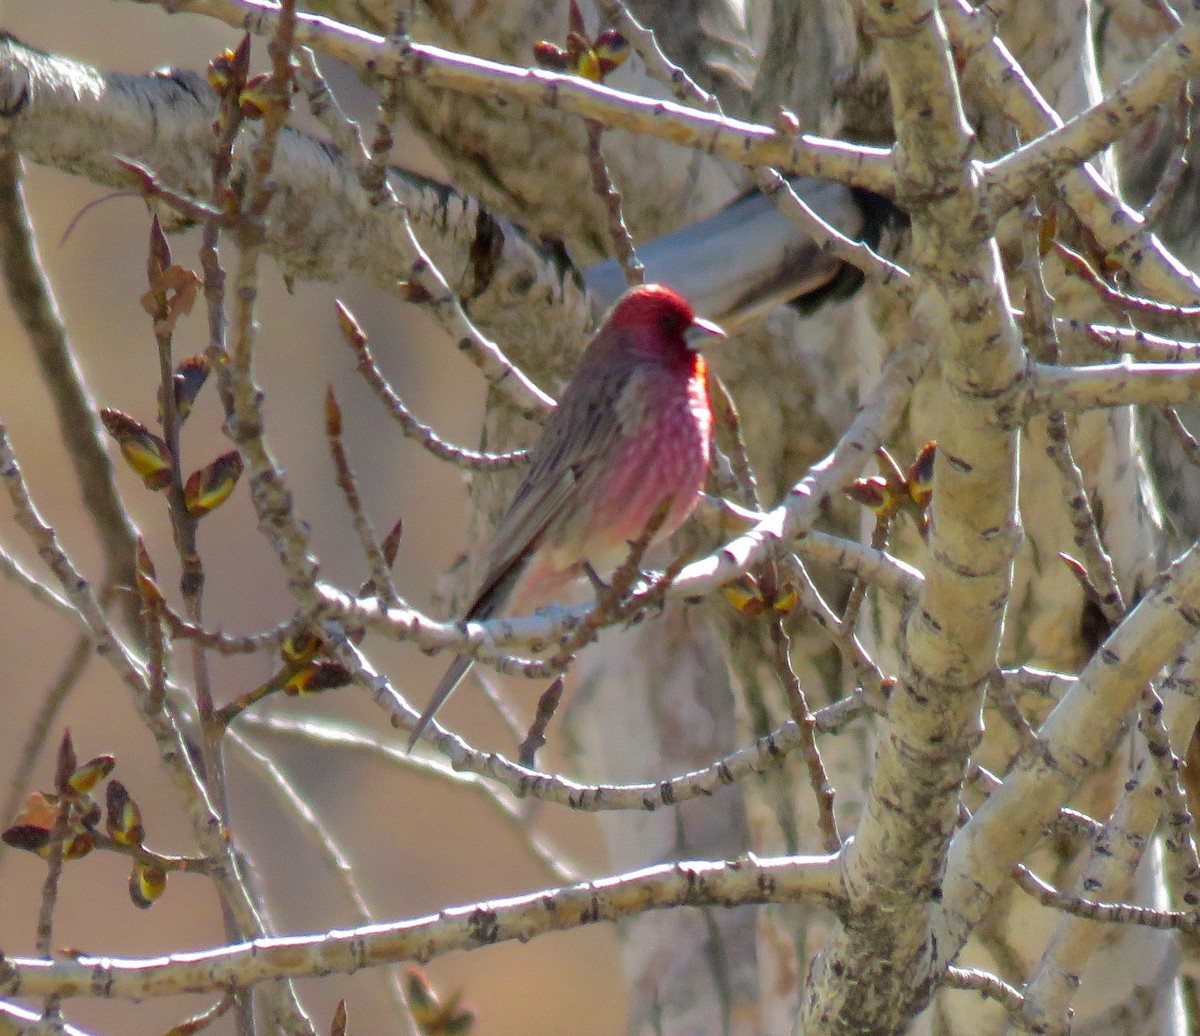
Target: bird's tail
<point>454,675</point>
<point>487,603</point>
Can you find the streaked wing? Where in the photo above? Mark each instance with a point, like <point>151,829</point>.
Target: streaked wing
<point>577,435</point>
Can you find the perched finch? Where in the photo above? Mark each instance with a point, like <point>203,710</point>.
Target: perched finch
<point>632,430</point>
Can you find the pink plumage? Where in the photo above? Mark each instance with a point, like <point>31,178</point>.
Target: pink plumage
<point>632,429</point>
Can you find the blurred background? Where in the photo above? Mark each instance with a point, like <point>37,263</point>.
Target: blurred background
<point>416,843</point>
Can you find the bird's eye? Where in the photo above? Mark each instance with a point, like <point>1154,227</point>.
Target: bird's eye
<point>670,323</point>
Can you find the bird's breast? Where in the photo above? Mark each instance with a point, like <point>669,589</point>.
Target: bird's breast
<point>663,455</point>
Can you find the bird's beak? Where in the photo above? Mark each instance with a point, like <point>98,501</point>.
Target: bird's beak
<point>702,332</point>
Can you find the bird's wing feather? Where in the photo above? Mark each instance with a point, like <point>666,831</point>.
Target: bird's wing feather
<point>560,472</point>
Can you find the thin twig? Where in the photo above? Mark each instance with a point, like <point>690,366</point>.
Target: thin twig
<point>43,723</point>
<point>226,643</point>
<point>1120,300</point>
<point>381,573</point>
<point>427,284</point>
<point>770,181</point>
<point>459,456</point>
<point>1189,443</point>
<point>1040,316</point>
<point>602,183</point>
<point>140,854</point>
<point>728,426</point>
<point>50,884</point>
<point>32,299</point>
<point>986,985</point>
<point>326,735</point>
<point>818,777</point>
<point>1002,696</point>
<point>536,738</point>
<point>747,880</point>
<point>1110,913</point>
<point>329,849</point>
<point>866,671</point>
<point>858,591</point>
<point>13,570</point>
<point>615,604</point>
<point>1141,344</point>
<point>741,142</point>
<point>766,752</point>
<point>202,1020</point>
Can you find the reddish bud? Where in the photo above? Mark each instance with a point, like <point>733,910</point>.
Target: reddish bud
<point>319,675</point>
<point>258,96</point>
<point>124,822</point>
<point>300,647</point>
<point>1047,232</point>
<point>422,1000</point>
<point>86,777</point>
<point>210,487</point>
<point>147,883</point>
<point>391,542</point>
<point>432,1016</point>
<point>171,296</point>
<point>611,50</point>
<point>340,1020</point>
<point>227,71</point>
<point>31,827</point>
<point>575,23</point>
<point>144,451</point>
<point>919,478</point>
<point>415,293</point>
<point>144,577</point>
<point>787,123</point>
<point>188,380</point>
<point>786,599</point>
<point>218,72</point>
<point>76,846</point>
<point>550,56</point>
<point>351,329</point>
<point>873,492</point>
<point>159,255</point>
<point>333,414</point>
<point>65,764</point>
<point>745,595</point>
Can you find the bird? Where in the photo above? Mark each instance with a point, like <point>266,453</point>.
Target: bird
<point>631,435</point>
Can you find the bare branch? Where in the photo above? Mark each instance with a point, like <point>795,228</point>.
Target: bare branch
<point>732,139</point>
<point>1100,386</point>
<point>1011,180</point>
<point>812,879</point>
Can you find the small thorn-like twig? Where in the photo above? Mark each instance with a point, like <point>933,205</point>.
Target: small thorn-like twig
<point>618,231</point>
<point>413,428</point>
<point>381,574</point>
<point>1096,560</point>
<point>536,738</point>
<point>1190,444</point>
<point>1009,708</point>
<point>202,1020</point>
<point>798,704</point>
<point>728,425</point>
<point>1110,913</point>
<point>1119,300</point>
<point>986,985</point>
